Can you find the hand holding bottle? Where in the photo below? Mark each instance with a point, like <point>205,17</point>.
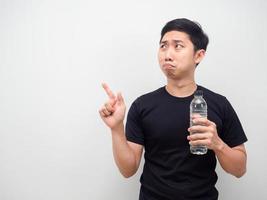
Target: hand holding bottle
<point>204,134</point>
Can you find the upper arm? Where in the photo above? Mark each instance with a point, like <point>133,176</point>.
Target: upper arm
<point>137,150</point>
<point>240,148</point>
<point>232,131</point>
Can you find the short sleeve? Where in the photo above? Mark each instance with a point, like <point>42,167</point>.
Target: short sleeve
<point>232,130</point>
<point>134,131</point>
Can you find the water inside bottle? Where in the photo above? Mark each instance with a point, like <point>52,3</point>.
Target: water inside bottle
<point>198,108</point>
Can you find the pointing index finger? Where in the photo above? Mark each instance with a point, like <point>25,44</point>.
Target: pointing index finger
<point>108,91</point>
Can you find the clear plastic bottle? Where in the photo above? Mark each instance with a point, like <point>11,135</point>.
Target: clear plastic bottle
<point>198,108</point>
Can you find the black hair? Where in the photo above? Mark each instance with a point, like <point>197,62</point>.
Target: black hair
<point>194,30</point>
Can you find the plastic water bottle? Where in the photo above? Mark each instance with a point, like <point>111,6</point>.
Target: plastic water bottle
<point>198,108</point>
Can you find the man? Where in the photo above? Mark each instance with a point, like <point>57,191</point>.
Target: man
<point>159,123</point>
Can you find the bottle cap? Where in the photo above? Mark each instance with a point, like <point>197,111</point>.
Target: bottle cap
<point>198,93</point>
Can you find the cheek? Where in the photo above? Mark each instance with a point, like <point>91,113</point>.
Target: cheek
<point>186,57</point>
<point>160,57</point>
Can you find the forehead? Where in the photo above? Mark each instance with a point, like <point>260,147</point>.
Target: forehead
<point>176,35</point>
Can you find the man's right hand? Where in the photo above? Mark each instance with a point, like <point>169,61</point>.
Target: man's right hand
<point>113,111</point>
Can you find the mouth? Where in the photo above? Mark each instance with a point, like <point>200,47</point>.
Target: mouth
<point>168,66</point>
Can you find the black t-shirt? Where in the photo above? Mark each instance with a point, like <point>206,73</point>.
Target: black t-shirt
<point>159,122</point>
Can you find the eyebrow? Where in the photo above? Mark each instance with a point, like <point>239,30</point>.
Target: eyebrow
<point>175,41</point>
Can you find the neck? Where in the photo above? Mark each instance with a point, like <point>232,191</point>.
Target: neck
<point>181,88</point>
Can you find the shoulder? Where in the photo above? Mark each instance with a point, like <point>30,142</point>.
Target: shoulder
<point>150,96</point>
<point>148,100</point>
<point>212,96</point>
<point>216,101</point>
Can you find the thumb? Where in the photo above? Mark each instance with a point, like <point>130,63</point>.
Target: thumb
<point>120,98</point>
<point>113,102</point>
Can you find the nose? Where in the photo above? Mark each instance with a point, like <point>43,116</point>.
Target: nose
<point>168,55</point>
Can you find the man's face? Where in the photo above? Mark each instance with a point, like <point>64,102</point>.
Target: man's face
<point>176,55</point>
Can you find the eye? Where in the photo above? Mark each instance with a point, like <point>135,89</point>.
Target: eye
<point>178,46</point>
<point>163,46</point>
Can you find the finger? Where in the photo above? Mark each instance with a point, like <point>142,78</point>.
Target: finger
<point>198,136</point>
<point>198,129</point>
<point>108,91</point>
<point>102,114</point>
<point>113,102</point>
<point>195,115</point>
<point>106,112</point>
<point>120,99</point>
<point>109,107</point>
<point>204,142</point>
<point>201,121</point>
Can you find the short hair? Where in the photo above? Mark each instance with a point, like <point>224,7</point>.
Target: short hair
<point>197,36</point>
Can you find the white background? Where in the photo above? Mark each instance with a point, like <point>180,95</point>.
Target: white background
<point>54,56</point>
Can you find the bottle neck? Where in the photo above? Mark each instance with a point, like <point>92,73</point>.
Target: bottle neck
<point>198,94</point>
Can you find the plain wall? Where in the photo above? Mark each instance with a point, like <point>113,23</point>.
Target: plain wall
<point>54,56</point>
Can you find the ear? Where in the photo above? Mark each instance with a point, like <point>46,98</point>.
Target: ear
<point>199,55</point>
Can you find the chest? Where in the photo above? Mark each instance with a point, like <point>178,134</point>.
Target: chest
<point>166,126</point>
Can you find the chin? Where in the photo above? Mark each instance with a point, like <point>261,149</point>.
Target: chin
<point>170,75</point>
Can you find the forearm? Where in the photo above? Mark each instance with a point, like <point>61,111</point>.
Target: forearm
<point>232,160</point>
<point>123,154</point>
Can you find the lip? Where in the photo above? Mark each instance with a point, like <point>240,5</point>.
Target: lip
<point>168,66</point>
